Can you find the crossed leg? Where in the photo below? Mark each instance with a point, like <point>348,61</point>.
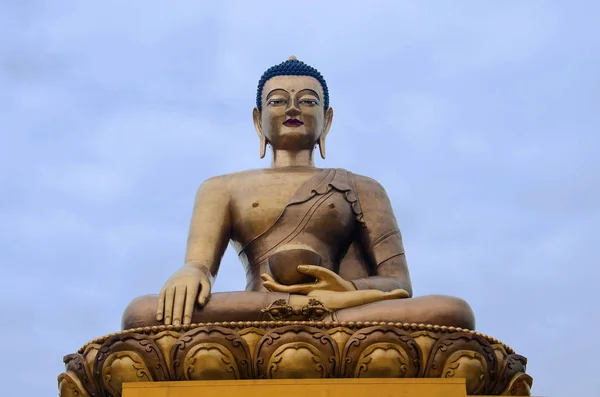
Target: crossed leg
<point>371,305</point>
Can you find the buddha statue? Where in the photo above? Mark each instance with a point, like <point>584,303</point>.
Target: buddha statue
<point>328,292</point>
<point>308,238</point>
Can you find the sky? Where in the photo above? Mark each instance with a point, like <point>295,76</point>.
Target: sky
<point>480,119</point>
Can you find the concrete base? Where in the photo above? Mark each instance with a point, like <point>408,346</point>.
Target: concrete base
<point>301,388</point>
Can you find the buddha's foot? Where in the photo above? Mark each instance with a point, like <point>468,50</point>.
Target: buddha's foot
<point>280,350</point>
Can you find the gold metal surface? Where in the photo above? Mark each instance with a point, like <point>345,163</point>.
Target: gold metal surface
<point>294,350</point>
<point>302,388</point>
<point>301,233</point>
<point>328,290</point>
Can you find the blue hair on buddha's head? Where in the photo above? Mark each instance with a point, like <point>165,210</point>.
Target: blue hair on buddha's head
<point>291,67</point>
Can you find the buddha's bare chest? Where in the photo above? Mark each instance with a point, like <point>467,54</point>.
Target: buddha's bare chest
<point>257,201</point>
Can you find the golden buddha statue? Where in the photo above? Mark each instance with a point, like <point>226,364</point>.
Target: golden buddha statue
<point>328,292</point>
<point>302,233</point>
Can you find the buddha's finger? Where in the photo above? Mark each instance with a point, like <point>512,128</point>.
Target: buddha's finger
<point>397,294</point>
<point>315,271</point>
<point>169,297</point>
<point>275,287</point>
<point>161,305</point>
<point>204,292</point>
<point>267,277</point>
<point>301,289</point>
<point>190,300</point>
<point>178,305</point>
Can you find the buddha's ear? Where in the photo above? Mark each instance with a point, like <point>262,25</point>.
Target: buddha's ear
<point>326,127</point>
<point>256,116</point>
<point>257,121</point>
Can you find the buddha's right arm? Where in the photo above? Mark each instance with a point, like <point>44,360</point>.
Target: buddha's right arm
<point>210,227</point>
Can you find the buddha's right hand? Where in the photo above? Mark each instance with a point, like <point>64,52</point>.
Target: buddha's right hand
<point>183,289</point>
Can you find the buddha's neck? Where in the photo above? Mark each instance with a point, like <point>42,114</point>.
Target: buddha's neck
<point>287,158</point>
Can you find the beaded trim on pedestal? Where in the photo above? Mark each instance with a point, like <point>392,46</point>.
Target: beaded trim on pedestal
<point>275,324</point>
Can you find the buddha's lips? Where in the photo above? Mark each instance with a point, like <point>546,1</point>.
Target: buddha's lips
<point>293,123</point>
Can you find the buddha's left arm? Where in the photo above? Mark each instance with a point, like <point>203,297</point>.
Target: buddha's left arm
<point>381,239</point>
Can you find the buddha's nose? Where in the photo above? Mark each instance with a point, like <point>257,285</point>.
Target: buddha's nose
<point>292,110</point>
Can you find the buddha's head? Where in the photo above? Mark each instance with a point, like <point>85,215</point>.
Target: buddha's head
<point>292,108</point>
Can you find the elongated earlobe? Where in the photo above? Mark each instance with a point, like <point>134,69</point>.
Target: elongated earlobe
<point>327,126</point>
<point>322,146</point>
<point>263,146</point>
<point>258,126</point>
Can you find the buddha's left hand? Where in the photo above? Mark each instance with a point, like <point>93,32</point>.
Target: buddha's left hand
<point>326,280</point>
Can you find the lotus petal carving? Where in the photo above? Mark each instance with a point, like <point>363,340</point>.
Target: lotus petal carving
<point>277,350</point>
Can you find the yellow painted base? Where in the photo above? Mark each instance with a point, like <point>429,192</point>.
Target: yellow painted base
<point>301,388</point>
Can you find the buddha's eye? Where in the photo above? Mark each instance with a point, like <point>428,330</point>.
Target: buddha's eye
<point>310,102</point>
<point>276,102</point>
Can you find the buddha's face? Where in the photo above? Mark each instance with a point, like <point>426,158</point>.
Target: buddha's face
<point>293,116</point>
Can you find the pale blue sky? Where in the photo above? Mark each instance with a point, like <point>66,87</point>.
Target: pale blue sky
<point>479,118</point>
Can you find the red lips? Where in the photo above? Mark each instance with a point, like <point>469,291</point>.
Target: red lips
<point>293,123</point>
